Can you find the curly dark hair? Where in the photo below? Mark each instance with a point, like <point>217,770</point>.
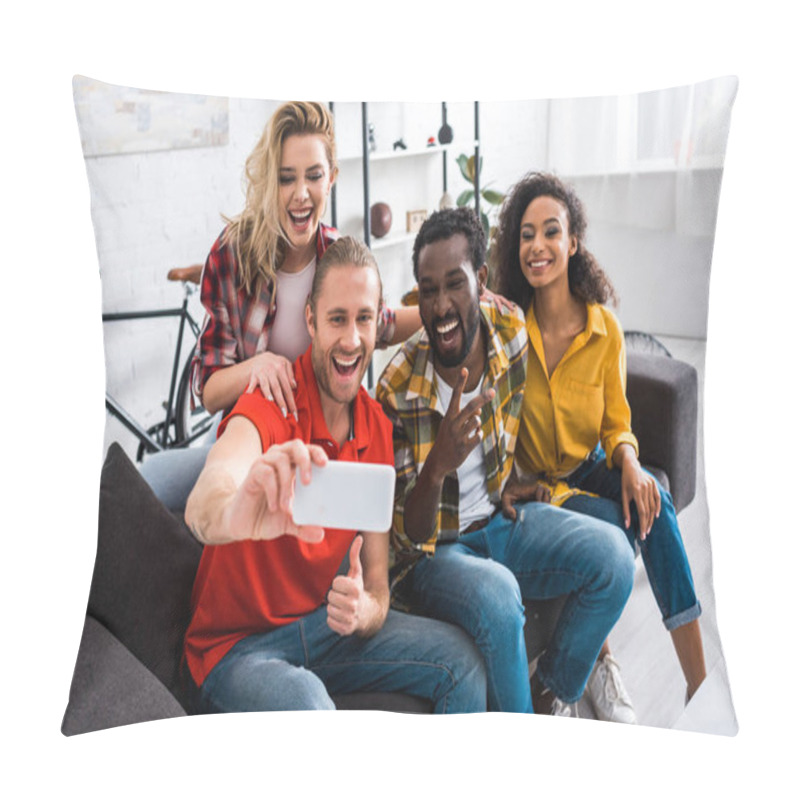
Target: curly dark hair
<point>587,281</point>
<point>446,223</point>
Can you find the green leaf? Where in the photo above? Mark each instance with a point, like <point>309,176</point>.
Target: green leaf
<point>471,167</point>
<point>492,197</point>
<point>462,165</point>
<point>465,198</point>
<point>485,223</point>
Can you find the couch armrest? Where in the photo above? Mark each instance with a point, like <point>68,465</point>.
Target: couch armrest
<point>662,393</point>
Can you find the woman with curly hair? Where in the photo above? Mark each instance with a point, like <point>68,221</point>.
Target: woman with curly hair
<point>576,448</point>
<point>259,271</point>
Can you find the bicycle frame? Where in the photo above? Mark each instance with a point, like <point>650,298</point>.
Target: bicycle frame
<point>148,441</point>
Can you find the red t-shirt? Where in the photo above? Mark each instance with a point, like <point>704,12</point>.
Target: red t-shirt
<point>251,587</point>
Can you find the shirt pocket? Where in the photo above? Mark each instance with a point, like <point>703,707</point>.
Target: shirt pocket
<point>581,409</point>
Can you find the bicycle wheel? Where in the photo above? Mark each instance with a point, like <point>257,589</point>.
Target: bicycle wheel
<point>190,424</point>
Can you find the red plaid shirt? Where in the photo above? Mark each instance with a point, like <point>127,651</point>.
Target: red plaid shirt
<point>237,324</point>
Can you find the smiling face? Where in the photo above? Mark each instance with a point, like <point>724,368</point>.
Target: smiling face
<point>545,243</point>
<point>449,290</point>
<point>343,327</point>
<point>305,181</point>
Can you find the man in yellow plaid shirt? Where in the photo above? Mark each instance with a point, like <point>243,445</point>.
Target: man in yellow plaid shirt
<point>453,393</point>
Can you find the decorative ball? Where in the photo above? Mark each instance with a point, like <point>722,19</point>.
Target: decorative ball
<point>380,219</point>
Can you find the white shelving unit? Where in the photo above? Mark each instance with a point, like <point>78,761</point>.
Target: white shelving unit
<point>391,240</point>
<point>387,155</point>
<point>369,157</point>
<point>395,166</point>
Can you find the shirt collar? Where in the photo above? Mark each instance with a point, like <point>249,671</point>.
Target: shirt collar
<point>595,321</point>
<point>325,237</point>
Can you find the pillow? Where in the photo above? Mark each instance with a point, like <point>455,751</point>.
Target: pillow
<point>140,595</point>
<point>164,168</point>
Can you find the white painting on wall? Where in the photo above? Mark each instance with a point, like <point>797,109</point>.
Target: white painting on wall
<point>118,119</point>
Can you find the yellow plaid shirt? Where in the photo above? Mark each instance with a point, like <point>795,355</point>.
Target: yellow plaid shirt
<point>407,392</point>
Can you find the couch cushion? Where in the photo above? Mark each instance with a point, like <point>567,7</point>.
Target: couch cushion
<point>143,573</point>
<point>110,687</point>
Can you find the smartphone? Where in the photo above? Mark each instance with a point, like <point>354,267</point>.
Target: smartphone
<point>346,494</point>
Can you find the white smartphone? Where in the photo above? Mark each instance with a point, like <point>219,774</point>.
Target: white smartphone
<point>346,494</point>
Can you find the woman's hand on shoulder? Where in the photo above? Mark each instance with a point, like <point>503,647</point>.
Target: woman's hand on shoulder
<point>522,490</point>
<point>640,488</point>
<point>503,305</point>
<point>273,375</point>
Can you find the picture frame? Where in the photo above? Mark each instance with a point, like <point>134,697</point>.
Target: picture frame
<point>414,220</point>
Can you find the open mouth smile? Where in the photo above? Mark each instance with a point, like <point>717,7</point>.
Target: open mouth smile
<point>300,218</point>
<point>346,366</point>
<point>537,265</point>
<point>447,330</point>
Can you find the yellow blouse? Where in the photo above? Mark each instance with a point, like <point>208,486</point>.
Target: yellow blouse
<point>582,403</point>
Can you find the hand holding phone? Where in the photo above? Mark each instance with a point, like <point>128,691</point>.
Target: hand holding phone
<point>261,507</point>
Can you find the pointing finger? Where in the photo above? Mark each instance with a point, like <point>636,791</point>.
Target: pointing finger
<point>455,400</point>
<point>657,495</point>
<point>626,508</point>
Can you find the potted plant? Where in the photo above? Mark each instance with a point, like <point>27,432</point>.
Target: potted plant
<point>490,200</point>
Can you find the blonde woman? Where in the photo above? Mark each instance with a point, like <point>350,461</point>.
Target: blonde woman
<point>259,271</point>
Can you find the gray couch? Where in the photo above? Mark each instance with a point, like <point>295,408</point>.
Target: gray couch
<point>129,666</point>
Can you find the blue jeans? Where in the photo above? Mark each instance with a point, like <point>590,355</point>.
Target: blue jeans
<point>172,474</point>
<point>299,665</point>
<point>662,551</point>
<point>479,581</point>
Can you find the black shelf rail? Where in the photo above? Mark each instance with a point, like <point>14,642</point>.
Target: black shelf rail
<point>366,176</point>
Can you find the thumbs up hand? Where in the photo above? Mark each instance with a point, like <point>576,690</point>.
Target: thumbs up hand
<point>347,600</point>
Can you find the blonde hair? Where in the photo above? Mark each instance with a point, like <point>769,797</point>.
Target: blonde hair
<point>257,234</point>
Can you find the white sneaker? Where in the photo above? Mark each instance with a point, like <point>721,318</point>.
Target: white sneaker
<point>556,708</point>
<point>562,709</point>
<point>607,693</point>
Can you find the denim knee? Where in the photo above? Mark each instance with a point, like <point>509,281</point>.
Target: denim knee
<point>468,676</point>
<point>498,604</point>
<point>615,561</point>
<point>249,684</point>
<point>300,689</point>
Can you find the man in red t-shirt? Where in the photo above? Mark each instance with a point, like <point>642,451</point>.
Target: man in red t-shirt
<point>276,624</point>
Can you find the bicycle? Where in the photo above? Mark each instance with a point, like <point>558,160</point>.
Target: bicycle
<point>183,422</point>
